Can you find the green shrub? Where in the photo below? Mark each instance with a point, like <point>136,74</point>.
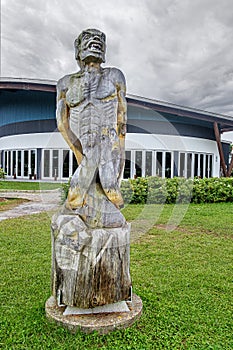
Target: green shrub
<point>64,190</point>
<point>127,191</point>
<point>184,190</point>
<point>2,174</point>
<point>155,190</point>
<point>213,190</point>
<point>139,188</point>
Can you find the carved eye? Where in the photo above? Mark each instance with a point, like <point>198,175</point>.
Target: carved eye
<point>86,36</point>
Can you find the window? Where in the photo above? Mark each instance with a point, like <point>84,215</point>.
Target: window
<point>55,164</point>
<point>159,163</point>
<point>208,172</point>
<point>127,170</point>
<point>19,163</point>
<point>189,164</point>
<point>201,165</point>
<point>75,163</point>
<point>148,170</point>
<point>138,163</point>
<point>5,161</point>
<point>26,163</point>
<point>13,171</point>
<point>182,165</point>
<point>196,165</point>
<point>33,162</point>
<point>9,163</point>
<point>46,163</point>
<point>168,165</point>
<point>65,163</point>
<point>210,165</point>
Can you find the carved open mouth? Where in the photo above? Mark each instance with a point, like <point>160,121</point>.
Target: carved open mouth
<point>95,46</point>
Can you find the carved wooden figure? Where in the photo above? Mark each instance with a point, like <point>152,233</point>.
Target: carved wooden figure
<point>90,235</point>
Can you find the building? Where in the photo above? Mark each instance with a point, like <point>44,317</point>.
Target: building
<point>163,139</point>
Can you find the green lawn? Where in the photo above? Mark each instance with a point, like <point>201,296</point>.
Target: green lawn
<point>28,185</point>
<point>184,277</point>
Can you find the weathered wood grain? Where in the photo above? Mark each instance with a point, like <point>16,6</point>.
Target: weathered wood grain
<point>90,266</point>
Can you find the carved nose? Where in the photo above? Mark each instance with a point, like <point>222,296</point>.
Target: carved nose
<point>97,38</point>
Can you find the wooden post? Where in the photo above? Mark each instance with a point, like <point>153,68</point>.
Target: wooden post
<point>230,166</point>
<point>220,150</point>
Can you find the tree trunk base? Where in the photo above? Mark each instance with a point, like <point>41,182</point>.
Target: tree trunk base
<point>90,267</point>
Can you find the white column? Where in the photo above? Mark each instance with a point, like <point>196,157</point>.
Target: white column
<point>185,165</point>
<point>199,162</point>
<point>29,162</point>
<point>143,163</point>
<point>163,164</point>
<point>51,163</point>
<point>132,169</point>
<point>70,163</point>
<point>204,165</point>
<point>192,165</point>
<point>16,163</point>
<point>7,160</point>
<point>11,165</point>
<point>22,162</point>
<point>153,163</point>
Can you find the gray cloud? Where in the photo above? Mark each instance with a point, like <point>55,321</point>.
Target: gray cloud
<point>175,50</point>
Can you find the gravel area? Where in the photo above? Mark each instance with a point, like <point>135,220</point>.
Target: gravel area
<point>38,201</point>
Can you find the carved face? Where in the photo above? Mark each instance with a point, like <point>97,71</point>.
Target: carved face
<point>90,46</point>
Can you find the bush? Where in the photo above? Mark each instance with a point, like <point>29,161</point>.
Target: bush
<point>64,190</point>
<point>179,190</point>
<point>2,174</point>
<point>213,190</point>
<point>139,188</point>
<point>155,190</point>
<point>126,191</point>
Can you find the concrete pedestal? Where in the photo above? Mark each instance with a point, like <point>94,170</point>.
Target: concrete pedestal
<point>103,323</point>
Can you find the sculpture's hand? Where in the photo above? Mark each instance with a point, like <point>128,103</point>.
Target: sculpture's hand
<point>122,129</point>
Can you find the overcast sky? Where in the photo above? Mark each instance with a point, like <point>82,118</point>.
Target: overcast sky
<point>180,51</point>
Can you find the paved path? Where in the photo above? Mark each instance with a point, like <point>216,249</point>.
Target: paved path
<point>39,201</point>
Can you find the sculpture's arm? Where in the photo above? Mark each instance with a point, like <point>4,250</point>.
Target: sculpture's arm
<point>121,116</point>
<point>62,116</point>
<point>122,106</point>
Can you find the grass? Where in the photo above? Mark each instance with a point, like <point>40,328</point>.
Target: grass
<point>28,185</point>
<point>184,278</point>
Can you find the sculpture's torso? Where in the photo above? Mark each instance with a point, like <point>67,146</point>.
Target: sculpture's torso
<point>91,112</point>
<point>92,101</point>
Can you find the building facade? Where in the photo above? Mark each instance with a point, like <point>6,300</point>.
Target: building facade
<point>162,139</point>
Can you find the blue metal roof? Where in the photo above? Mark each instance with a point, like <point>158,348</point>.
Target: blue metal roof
<point>35,99</point>
<point>24,105</point>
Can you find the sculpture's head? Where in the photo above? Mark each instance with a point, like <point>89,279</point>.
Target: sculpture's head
<point>90,46</point>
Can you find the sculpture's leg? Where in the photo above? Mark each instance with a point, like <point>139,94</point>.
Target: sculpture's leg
<point>110,184</point>
<point>81,181</point>
<point>109,167</point>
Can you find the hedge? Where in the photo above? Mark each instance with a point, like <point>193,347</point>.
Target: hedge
<point>177,190</point>
<point>155,190</point>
